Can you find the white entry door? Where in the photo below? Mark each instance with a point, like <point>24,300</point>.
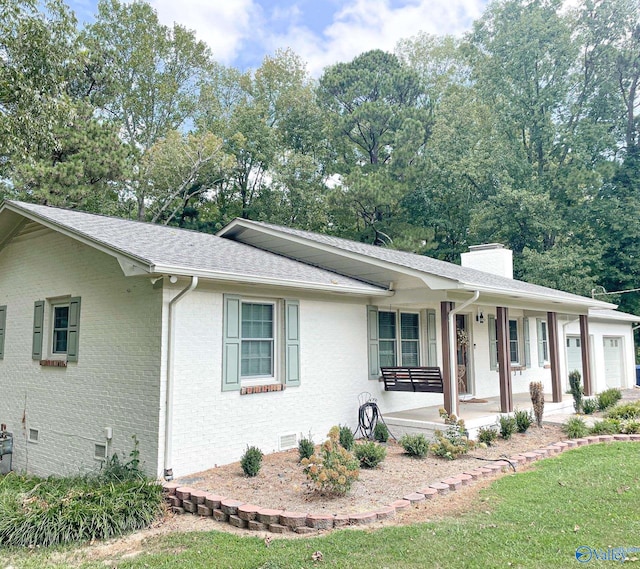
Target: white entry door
<point>574,354</point>
<point>613,361</point>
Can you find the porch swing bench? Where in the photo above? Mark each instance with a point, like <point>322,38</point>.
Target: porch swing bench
<point>417,379</point>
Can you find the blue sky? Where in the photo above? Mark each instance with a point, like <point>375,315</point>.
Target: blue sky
<point>322,32</point>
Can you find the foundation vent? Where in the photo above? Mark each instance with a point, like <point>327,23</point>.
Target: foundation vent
<point>288,441</point>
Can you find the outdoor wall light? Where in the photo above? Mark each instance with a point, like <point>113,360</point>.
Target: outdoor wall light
<point>480,317</point>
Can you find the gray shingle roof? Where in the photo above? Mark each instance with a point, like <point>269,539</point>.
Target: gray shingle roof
<point>464,275</point>
<point>188,251</point>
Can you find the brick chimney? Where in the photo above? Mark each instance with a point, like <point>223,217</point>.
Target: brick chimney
<point>491,258</point>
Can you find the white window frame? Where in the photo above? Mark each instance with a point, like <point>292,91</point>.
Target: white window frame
<point>275,342</point>
<point>50,326</point>
<point>544,341</point>
<point>516,342</point>
<point>397,341</point>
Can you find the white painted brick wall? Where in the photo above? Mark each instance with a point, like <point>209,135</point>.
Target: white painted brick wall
<point>116,380</point>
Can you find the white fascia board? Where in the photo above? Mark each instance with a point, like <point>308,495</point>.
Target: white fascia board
<point>440,283</point>
<point>250,279</point>
<point>552,301</point>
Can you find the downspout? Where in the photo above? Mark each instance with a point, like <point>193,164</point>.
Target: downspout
<point>168,417</point>
<point>453,375</point>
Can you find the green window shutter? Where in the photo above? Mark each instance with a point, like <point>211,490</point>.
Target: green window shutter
<point>527,342</point>
<point>232,340</point>
<point>432,342</point>
<point>3,326</point>
<point>540,342</point>
<point>73,340</point>
<point>292,342</point>
<point>374,347</point>
<point>38,323</point>
<point>493,343</point>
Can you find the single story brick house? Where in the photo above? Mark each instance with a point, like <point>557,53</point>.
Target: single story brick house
<point>199,345</point>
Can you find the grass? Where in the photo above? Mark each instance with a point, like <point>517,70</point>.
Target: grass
<point>587,496</point>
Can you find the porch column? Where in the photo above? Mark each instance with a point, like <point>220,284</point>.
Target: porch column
<point>449,398</point>
<point>554,356</point>
<point>504,360</point>
<point>586,354</point>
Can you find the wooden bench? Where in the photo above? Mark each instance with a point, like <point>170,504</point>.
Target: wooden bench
<point>418,379</point>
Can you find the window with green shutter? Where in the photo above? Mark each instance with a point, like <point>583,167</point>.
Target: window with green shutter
<point>59,321</point>
<point>493,342</point>
<point>398,338</point>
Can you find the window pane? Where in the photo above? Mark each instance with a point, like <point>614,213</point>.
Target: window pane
<point>387,326</point>
<point>61,317</point>
<point>256,358</point>
<point>257,340</point>
<point>60,342</point>
<point>387,353</point>
<point>410,353</point>
<point>409,327</point>
<point>513,341</point>
<point>257,320</point>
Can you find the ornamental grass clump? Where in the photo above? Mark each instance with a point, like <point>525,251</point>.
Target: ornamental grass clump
<point>536,390</point>
<point>575,428</point>
<point>454,441</point>
<point>629,410</point>
<point>306,447</point>
<point>523,420</point>
<point>333,469</point>
<point>370,454</point>
<point>608,398</point>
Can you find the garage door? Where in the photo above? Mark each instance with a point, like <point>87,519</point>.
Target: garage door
<point>613,361</point>
<point>574,354</point>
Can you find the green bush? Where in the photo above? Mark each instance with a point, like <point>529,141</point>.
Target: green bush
<point>487,435</point>
<point>629,410</point>
<point>305,447</point>
<point>508,426</point>
<point>606,427</point>
<point>370,454</point>
<point>524,419</point>
<point>575,428</point>
<point>589,406</point>
<point>381,433</point>
<point>44,512</point>
<point>608,398</point>
<point>630,426</point>
<point>333,469</point>
<point>576,390</point>
<point>346,438</point>
<point>415,445</point>
<point>251,461</point>
<point>115,470</point>
<point>454,441</point>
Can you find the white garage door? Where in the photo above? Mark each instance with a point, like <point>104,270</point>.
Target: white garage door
<point>574,354</point>
<point>613,361</point>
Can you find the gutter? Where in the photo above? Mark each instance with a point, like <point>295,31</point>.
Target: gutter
<point>168,417</point>
<point>453,375</point>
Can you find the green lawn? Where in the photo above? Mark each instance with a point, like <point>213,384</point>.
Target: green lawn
<point>586,497</point>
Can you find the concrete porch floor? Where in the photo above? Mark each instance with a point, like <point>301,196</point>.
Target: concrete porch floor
<point>481,413</point>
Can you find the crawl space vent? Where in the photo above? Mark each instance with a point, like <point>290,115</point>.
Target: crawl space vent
<point>34,434</point>
<point>100,452</point>
<point>288,441</point>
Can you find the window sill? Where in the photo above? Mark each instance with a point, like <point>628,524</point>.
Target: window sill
<point>253,389</point>
<point>53,363</point>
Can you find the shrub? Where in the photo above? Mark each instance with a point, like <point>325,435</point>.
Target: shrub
<point>487,435</point>
<point>415,445</point>
<point>575,428</point>
<point>333,469</point>
<point>523,420</point>
<point>381,433</point>
<point>630,426</point>
<point>608,398</point>
<point>536,390</point>
<point>589,406</point>
<point>305,447</point>
<point>454,441</point>
<point>508,426</point>
<point>576,390</point>
<point>115,470</point>
<point>346,438</point>
<point>629,410</point>
<point>370,454</point>
<point>251,461</point>
<point>606,427</point>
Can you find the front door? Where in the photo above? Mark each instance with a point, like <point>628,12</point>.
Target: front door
<point>464,354</point>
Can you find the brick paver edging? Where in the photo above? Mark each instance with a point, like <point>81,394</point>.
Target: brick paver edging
<point>182,499</point>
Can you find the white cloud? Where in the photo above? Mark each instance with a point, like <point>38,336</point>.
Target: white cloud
<point>223,25</point>
<point>362,25</point>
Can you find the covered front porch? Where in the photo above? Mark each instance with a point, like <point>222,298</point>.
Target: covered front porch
<point>475,412</point>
